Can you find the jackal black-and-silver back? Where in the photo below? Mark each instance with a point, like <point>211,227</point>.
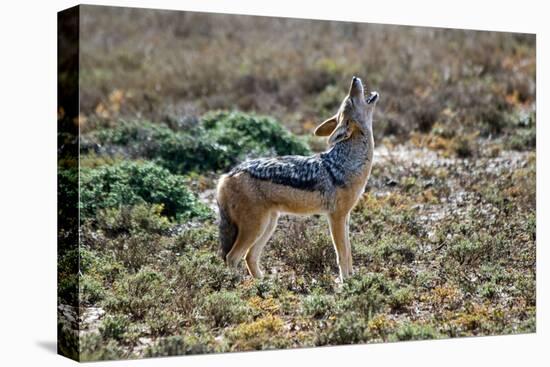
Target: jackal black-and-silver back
<point>320,172</point>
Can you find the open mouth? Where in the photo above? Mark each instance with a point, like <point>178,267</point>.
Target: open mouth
<point>373,97</point>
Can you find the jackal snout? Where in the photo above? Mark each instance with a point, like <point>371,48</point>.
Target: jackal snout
<point>356,87</point>
<point>354,115</point>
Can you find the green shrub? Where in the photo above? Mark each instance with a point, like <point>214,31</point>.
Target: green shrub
<point>179,151</point>
<point>409,331</point>
<point>306,248</point>
<point>366,294</point>
<point>93,160</point>
<point>133,183</point>
<point>132,219</point>
<point>525,286</point>
<point>466,250</point>
<point>401,298</point>
<point>204,237</point>
<point>91,290</point>
<point>523,135</point>
<point>140,293</point>
<point>489,290</point>
<point>493,119</point>
<point>318,305</point>
<point>349,328</point>
<point>195,151</point>
<point>134,132</point>
<point>396,249</point>
<point>224,308</point>
<point>205,270</point>
<point>114,327</point>
<point>179,345</point>
<point>523,139</point>
<point>67,270</point>
<point>97,272</point>
<point>118,248</point>
<point>220,140</point>
<point>138,250</point>
<point>198,274</point>
<point>162,321</point>
<point>528,324</point>
<point>94,348</point>
<point>246,135</point>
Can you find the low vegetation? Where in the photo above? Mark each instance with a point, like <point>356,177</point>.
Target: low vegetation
<point>438,253</point>
<point>443,238</point>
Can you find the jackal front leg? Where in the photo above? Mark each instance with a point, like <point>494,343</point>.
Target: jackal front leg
<point>339,227</point>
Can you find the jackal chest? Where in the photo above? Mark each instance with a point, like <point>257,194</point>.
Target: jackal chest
<point>347,197</point>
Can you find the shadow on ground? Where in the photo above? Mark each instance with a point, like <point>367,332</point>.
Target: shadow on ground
<point>48,345</point>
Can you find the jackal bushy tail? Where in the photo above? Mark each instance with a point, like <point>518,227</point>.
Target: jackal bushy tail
<point>228,232</point>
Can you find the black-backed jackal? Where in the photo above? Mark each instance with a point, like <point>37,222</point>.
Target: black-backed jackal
<point>253,195</point>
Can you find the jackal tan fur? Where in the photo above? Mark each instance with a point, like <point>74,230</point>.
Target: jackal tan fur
<point>253,195</point>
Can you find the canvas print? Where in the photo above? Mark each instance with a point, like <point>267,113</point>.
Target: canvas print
<point>231,183</point>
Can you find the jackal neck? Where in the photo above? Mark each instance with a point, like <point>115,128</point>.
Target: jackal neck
<point>349,158</point>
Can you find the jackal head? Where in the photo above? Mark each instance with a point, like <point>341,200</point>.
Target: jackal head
<point>353,117</point>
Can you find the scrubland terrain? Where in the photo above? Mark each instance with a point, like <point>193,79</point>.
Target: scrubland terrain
<point>443,238</point>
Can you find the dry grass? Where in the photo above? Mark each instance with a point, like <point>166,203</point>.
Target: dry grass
<point>167,65</point>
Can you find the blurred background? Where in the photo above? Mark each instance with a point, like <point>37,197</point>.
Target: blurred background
<point>165,65</point>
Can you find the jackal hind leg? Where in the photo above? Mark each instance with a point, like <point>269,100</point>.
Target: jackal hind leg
<point>250,229</point>
<point>254,253</point>
<point>340,238</point>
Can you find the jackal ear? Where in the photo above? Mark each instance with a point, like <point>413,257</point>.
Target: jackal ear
<point>327,127</point>
<point>342,132</point>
